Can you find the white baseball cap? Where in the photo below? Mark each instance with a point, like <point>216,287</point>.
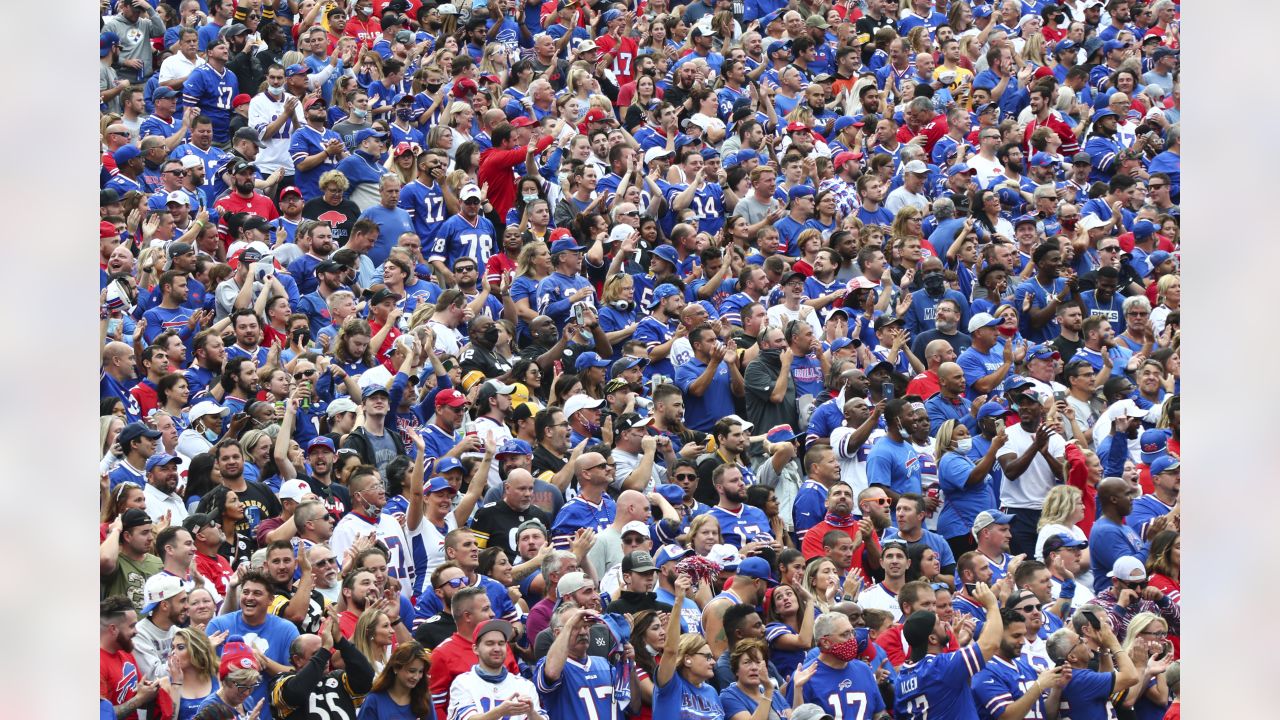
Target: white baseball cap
<point>206,407</point>
<point>581,401</point>
<point>293,490</point>
<point>1128,569</point>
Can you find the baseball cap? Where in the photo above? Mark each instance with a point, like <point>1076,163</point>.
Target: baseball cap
<point>1042,159</point>
<point>595,115</point>
<point>780,434</point>
<point>450,397</point>
<point>615,385</point>
<point>178,248</point>
<point>296,69</point>
<point>180,197</point>
<point>799,191</point>
<point>125,154</point>
<point>1082,158</point>
<point>809,711</point>
<point>1158,257</point>
<point>164,93</point>
<point>160,587</point>
<point>1144,229</point>
<point>1057,542</point>
<point>758,568</point>
<point>233,30</point>
<point>567,244</point>
<point>778,46</point>
<point>494,625</point>
<point>1064,46</point>
<point>522,121</point>
<point>624,363</point>
<point>990,517</point>
<point>246,133</point>
<point>847,156</point>
<point>670,553</point>
<point>156,461</point>
<point>206,407</point>
<point>1153,444</point>
<point>1129,408</point>
<point>670,492</point>
<point>578,402</point>
<point>133,517</point>
<point>655,153</point>
<point>982,320</point>
<point>793,127</point>
<point>746,426</point>
<point>106,41</point>
<point>133,431</point>
<point>589,360</point>
<point>107,196</point>
<point>662,292</point>
<point>437,484</point>
<point>638,561</point>
<point>367,133</point>
<point>1043,351</point>
<point>961,169</point>
<point>236,655</point>
<point>1113,45</point>
<point>340,405</point>
<point>630,421</point>
<point>572,583</point>
<point>242,99</point>
<point>1165,463</point>
<point>726,556</point>
<point>1128,569</point>
<point>917,628</point>
<point>991,409</point>
<point>320,441</point>
<point>514,446</point>
<point>369,389</point>
<point>884,320</point>
<point>293,490</point>
<point>448,463</point>
<point>916,167</point>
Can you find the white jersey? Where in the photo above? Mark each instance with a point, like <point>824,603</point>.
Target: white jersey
<point>486,426</point>
<point>399,565</point>
<point>429,541</point>
<point>471,695</point>
<point>880,598</point>
<point>853,466</point>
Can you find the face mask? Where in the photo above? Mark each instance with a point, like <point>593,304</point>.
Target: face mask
<point>432,87</point>
<point>490,335</point>
<point>964,446</point>
<point>934,284</point>
<point>359,114</point>
<point>653,651</point>
<point>210,435</point>
<point>403,114</point>
<point>528,198</point>
<point>621,305</point>
<point>364,11</point>
<point>846,651</point>
<point>592,427</point>
<point>275,92</point>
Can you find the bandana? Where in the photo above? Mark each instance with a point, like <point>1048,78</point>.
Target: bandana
<point>837,521</point>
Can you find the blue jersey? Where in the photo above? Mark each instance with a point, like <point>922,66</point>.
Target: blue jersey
<point>553,294</point>
<point>155,125</point>
<point>585,689</point>
<point>308,141</point>
<point>212,92</point>
<point>938,686</point>
<point>1000,684</point>
<point>1039,299</point>
<point>1085,696</point>
<point>702,412</point>
<point>707,204</point>
<point>653,333</point>
<point>459,238</point>
<point>425,206</point>
<point>742,527</point>
<point>1145,509</point>
<point>272,638</point>
<point>429,603</point>
<point>579,513</point>
<point>895,465</point>
<point>681,699</point>
<point>161,319</point>
<point>962,604</point>
<point>963,501</point>
<point>977,365</point>
<point>1112,310</point>
<point>849,692</point>
<point>810,507</point>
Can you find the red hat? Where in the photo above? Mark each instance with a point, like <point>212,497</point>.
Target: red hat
<point>291,190</point>
<point>1042,72</point>
<point>845,157</point>
<point>236,655</point>
<point>450,397</point>
<point>312,100</point>
<point>522,121</point>
<point>241,99</point>
<point>464,87</point>
<point>595,115</point>
<point>491,78</point>
<point>403,147</point>
<point>560,233</point>
<point>106,230</point>
<point>797,127</point>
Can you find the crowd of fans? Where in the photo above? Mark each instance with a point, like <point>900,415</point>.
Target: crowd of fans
<point>586,360</point>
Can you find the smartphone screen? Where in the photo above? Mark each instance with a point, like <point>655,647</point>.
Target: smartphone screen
<point>887,391</point>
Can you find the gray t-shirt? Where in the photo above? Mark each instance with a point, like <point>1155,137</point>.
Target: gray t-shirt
<point>751,209</point>
<point>384,449</point>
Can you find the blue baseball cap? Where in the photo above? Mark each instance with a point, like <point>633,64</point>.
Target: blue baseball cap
<point>320,441</point>
<point>747,154</point>
<point>709,152</point>
<point>682,140</point>
<point>1165,463</point>
<point>401,97</point>
<point>106,41</point>
<point>448,463</point>
<point>662,292</point>
<point>981,11</point>
<point>1009,196</point>
<point>985,107</point>
<point>1103,113</point>
<point>730,161</point>
<point>589,359</point>
<point>610,15</point>
<point>1042,159</point>
<point>1024,219</point>
<point>566,244</point>
<point>840,343</point>
<point>777,46</point>
<point>164,93</point>
<point>1043,351</point>
<point>667,253</point>
<point>1054,543</point>
<point>799,191</point>
<point>1144,229</point>
<point>365,134</point>
<point>1157,257</point>
<point>624,363</point>
<point>842,123</point>
<point>133,431</point>
<point>437,484</point>
<point>758,568</point>
<point>1112,45</point>
<point>296,69</point>
<point>671,492</point>
<point>156,461</point>
<point>515,446</point>
<point>670,553</point>
<point>992,409</point>
<point>125,154</point>
<point>780,434</point>
<point>961,169</point>
<point>1153,444</point>
<point>1064,46</point>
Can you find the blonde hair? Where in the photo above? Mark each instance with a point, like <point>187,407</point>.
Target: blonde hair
<point>362,637</point>
<point>942,443</point>
<point>1163,284</point>
<point>524,261</point>
<point>1033,50</point>
<point>613,286</point>
<point>690,644</point>
<point>333,177</point>
<point>1058,505</point>
<point>1138,625</point>
<point>696,524</point>
<point>203,657</point>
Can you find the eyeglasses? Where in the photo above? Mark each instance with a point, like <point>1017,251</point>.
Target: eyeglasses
<point>326,561</point>
<point>1137,313</point>
<point>304,374</point>
<point>1160,634</point>
<point>686,476</point>
<point>177,173</point>
<point>595,467</point>
<point>633,213</point>
<point>455,583</point>
<point>245,688</point>
<point>706,655</point>
<point>1113,248</point>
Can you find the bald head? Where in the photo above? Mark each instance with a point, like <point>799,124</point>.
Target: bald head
<point>950,371</point>
<point>633,505</point>
<point>519,475</point>
<point>587,461</point>
<point>1111,488</point>
<point>938,352</point>
<point>117,128</point>
<point>115,351</point>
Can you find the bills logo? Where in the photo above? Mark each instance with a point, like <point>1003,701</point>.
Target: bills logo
<point>128,682</point>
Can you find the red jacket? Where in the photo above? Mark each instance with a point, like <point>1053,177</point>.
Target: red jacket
<point>1070,145</point>
<point>896,648</point>
<point>497,168</point>
<point>1078,477</point>
<point>450,659</point>
<point>925,385</point>
<point>812,545</point>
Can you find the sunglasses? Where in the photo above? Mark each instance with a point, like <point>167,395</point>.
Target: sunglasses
<point>177,173</point>
<point>456,583</point>
<point>1113,248</point>
<point>596,466</point>
<point>880,501</point>
<point>686,476</point>
<point>245,688</point>
<point>326,561</point>
<point>471,201</point>
<point>304,374</point>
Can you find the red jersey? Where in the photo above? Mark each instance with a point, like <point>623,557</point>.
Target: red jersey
<point>384,352</point>
<point>216,569</point>
<point>450,659</point>
<point>1162,243</point>
<point>896,647</point>
<point>270,335</point>
<point>624,53</point>
<point>145,394</point>
<point>1070,145</point>
<point>498,265</point>
<point>366,32</point>
<point>925,385</point>
<point>812,545</point>
<point>497,168</point>
<point>118,677</point>
<point>932,132</point>
<point>1078,477</point>
<point>258,204</point>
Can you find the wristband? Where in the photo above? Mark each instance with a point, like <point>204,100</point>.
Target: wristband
<point>397,621</point>
<point>1068,589</point>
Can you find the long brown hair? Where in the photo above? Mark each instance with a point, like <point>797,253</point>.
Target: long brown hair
<point>420,695</point>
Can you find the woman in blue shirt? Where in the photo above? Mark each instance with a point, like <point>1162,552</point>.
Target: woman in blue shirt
<point>784,612</point>
<point>194,664</point>
<point>618,311</point>
<point>681,687</point>
<point>966,485</point>
<point>752,696</point>
<point>400,692</point>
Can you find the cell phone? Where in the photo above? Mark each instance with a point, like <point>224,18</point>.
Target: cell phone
<point>1092,617</point>
<point>579,314</point>
<point>971,588</point>
<point>1059,395</point>
<point>886,389</point>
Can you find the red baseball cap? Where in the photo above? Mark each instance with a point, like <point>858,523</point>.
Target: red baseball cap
<point>464,86</point>
<point>797,127</point>
<point>595,115</point>
<point>291,190</point>
<point>450,397</point>
<point>560,233</point>
<point>845,157</point>
<point>241,99</point>
<point>522,121</point>
<point>106,230</point>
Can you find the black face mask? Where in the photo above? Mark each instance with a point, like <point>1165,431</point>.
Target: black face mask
<point>935,284</point>
<point>490,335</point>
<point>432,87</point>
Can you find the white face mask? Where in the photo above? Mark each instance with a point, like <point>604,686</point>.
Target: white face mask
<point>275,92</point>
<point>964,446</point>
